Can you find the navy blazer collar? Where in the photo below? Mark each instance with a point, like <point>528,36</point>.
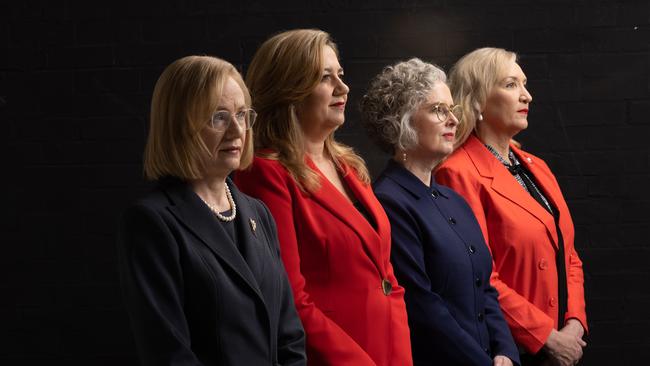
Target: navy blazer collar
<point>402,176</point>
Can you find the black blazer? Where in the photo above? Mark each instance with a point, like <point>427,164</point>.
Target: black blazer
<point>193,299</point>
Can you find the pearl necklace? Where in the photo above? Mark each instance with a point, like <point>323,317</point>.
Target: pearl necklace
<point>216,211</point>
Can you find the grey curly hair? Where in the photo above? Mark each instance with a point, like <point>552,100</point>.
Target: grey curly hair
<point>394,96</point>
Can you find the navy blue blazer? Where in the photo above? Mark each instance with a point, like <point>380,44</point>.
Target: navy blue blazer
<point>194,298</point>
<point>441,259</point>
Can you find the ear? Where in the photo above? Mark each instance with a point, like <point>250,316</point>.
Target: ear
<point>478,108</point>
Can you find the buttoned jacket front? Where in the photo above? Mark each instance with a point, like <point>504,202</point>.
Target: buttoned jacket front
<point>442,261</point>
<point>336,262</point>
<point>522,237</point>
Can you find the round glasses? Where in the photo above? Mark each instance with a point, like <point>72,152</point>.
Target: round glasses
<point>221,120</point>
<point>443,111</point>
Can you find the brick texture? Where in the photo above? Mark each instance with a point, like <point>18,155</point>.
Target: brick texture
<point>75,83</point>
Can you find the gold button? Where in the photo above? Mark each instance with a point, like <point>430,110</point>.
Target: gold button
<point>386,286</point>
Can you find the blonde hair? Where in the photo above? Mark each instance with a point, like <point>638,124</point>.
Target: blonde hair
<point>185,96</point>
<point>471,79</point>
<point>283,73</point>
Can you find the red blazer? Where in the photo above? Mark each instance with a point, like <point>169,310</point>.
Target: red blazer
<point>336,262</point>
<point>522,238</point>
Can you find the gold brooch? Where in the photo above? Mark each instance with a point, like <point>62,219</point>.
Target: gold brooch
<point>253,225</point>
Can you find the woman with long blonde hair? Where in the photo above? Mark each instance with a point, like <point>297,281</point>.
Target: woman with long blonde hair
<point>334,235</point>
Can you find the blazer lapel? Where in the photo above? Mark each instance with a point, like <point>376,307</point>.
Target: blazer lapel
<point>543,181</point>
<point>402,176</point>
<point>198,219</point>
<point>506,185</point>
<point>330,198</point>
<point>250,237</point>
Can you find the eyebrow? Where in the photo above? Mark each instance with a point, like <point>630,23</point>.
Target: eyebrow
<point>431,104</point>
<point>225,108</point>
<point>514,78</point>
<point>329,69</point>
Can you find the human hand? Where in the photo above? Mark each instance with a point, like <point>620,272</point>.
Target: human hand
<point>565,349</point>
<point>573,326</point>
<point>500,360</point>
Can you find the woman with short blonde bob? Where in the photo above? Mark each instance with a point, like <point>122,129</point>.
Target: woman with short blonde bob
<point>199,263</point>
<point>520,207</point>
<point>334,235</point>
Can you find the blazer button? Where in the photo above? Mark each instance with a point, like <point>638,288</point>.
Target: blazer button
<point>471,249</point>
<point>552,302</point>
<point>480,316</point>
<point>452,220</point>
<point>487,350</point>
<point>386,286</point>
<point>478,281</point>
<point>434,194</point>
<point>543,264</point>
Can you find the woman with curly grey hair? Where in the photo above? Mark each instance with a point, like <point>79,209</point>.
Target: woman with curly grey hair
<point>438,250</point>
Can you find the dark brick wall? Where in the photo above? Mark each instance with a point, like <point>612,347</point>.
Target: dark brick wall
<point>75,82</point>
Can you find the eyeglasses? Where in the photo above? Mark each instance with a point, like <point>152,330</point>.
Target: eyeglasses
<point>220,120</point>
<point>443,111</point>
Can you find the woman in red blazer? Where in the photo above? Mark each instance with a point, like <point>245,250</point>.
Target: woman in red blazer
<point>521,210</point>
<point>334,235</point>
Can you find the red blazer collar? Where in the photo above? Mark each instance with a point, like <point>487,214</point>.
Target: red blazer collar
<point>507,186</point>
<point>330,198</point>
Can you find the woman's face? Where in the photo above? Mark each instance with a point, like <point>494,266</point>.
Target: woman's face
<point>435,136</point>
<point>506,106</point>
<point>324,108</point>
<point>226,146</point>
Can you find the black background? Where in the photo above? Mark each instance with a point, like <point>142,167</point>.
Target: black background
<point>75,84</point>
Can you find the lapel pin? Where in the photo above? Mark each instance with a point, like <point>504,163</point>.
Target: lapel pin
<point>253,225</point>
<point>529,160</point>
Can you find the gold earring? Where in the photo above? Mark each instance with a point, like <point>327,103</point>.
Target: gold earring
<point>404,156</point>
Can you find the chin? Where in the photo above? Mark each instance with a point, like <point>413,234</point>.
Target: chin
<point>521,124</point>
<point>229,164</point>
<point>337,119</point>
<point>338,122</point>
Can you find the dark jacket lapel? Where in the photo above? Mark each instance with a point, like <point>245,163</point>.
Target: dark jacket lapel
<point>417,189</point>
<point>406,179</point>
<point>188,208</point>
<point>250,236</point>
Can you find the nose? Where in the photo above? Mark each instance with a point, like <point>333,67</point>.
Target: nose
<point>525,95</point>
<point>234,129</point>
<point>452,120</point>
<point>341,88</point>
